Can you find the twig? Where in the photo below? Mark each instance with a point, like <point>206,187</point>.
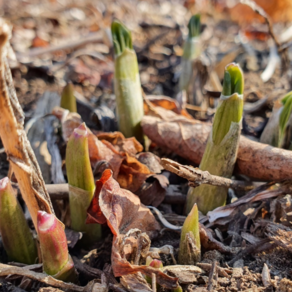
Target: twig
<point>213,276</point>
<point>154,282</point>
<point>35,52</point>
<point>283,52</point>
<point>195,176</point>
<point>6,270</point>
<point>18,149</point>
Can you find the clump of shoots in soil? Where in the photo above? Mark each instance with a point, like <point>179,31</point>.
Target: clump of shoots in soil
<point>53,244</point>
<point>221,150</point>
<point>16,236</point>
<point>127,83</point>
<point>81,184</point>
<point>190,244</point>
<point>192,50</point>
<point>68,100</point>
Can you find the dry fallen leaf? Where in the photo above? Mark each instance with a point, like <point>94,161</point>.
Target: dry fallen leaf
<point>153,190</point>
<point>129,145</point>
<point>104,151</point>
<point>129,221</point>
<point>164,102</point>
<point>120,208</point>
<point>132,173</point>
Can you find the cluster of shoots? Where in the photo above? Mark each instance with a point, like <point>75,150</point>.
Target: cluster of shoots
<point>68,100</point>
<point>17,238</point>
<point>221,150</point>
<point>129,100</point>
<point>19,243</point>
<point>81,184</point>
<point>192,50</point>
<point>53,244</point>
<point>279,128</point>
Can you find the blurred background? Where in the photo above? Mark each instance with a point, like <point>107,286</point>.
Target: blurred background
<point>56,41</point>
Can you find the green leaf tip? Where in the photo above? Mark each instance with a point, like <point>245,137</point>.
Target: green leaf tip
<point>190,233</point>
<point>233,80</point>
<point>194,26</point>
<point>231,107</point>
<point>122,38</point>
<point>68,100</point>
<point>286,112</point>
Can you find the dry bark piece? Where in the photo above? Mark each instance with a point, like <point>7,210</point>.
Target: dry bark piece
<point>14,139</point>
<point>266,277</point>
<point>186,274</point>
<point>188,138</point>
<point>222,272</point>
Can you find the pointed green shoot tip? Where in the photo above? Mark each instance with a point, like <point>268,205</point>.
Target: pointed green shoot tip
<point>156,264</point>
<point>80,131</point>
<point>192,224</point>
<point>53,242</point>
<point>194,26</point>
<point>286,112</point>
<point>68,100</point>
<point>78,165</point>
<point>233,80</point>
<point>191,228</point>
<point>122,38</point>
<point>231,107</point>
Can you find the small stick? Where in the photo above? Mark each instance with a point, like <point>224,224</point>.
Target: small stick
<point>212,276</point>
<point>35,52</point>
<point>195,176</point>
<point>153,282</point>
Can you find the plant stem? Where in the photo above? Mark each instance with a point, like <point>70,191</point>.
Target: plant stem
<point>81,183</point>
<point>190,244</point>
<point>17,238</point>
<point>127,83</point>
<point>192,49</point>
<point>221,151</point>
<point>53,243</point>
<point>68,100</point>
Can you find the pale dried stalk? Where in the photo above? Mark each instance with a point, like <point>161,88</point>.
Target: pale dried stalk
<point>17,147</point>
<point>6,270</point>
<point>197,177</point>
